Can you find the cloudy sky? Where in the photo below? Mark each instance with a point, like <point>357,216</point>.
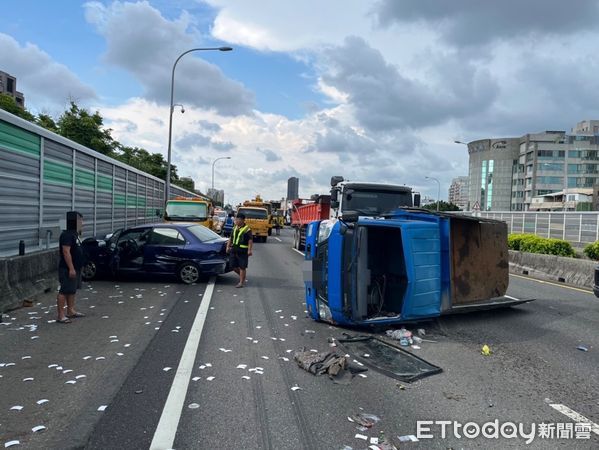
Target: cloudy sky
<point>372,90</point>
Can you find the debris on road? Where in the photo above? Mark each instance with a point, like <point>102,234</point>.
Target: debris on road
<point>364,420</point>
<point>11,443</point>
<point>407,438</point>
<point>582,348</point>
<point>486,350</point>
<point>193,406</point>
<point>389,359</point>
<point>334,365</point>
<point>38,428</point>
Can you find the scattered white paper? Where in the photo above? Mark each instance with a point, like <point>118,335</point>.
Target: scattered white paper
<point>416,347</point>
<point>174,331</point>
<point>245,377</point>
<point>242,366</point>
<point>28,379</point>
<point>105,317</point>
<point>361,436</point>
<point>265,357</point>
<point>166,369</point>
<point>119,354</point>
<point>42,401</point>
<point>114,340</point>
<point>52,366</point>
<point>38,428</point>
<point>374,440</point>
<point>26,357</point>
<point>284,359</point>
<point>193,406</point>
<point>224,350</point>
<point>195,378</point>
<point>309,331</point>
<point>16,408</point>
<point>288,351</point>
<point>232,322</point>
<point>34,337</point>
<point>210,378</point>
<point>127,345</point>
<point>258,327</point>
<point>296,388</point>
<point>362,375</point>
<point>99,358</point>
<point>85,357</point>
<point>11,443</point>
<point>366,355</point>
<point>78,377</point>
<point>255,341</point>
<point>112,337</point>
<point>102,408</point>
<point>67,371</point>
<point>71,382</point>
<point>408,438</point>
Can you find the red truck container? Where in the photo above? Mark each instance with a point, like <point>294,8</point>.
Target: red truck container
<point>305,211</point>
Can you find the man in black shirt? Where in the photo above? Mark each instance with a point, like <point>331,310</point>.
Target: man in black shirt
<point>69,268</point>
<point>240,247</point>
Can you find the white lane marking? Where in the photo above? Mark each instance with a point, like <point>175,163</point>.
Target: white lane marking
<point>575,416</point>
<point>164,436</point>
<point>296,250</point>
<point>278,239</point>
<point>586,291</point>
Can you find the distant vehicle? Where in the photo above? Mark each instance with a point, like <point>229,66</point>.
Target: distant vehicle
<point>187,209</point>
<point>218,220</point>
<point>258,220</point>
<point>186,250</point>
<point>259,203</point>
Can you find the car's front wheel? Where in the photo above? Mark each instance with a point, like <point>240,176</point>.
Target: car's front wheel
<point>189,273</point>
<point>89,271</point>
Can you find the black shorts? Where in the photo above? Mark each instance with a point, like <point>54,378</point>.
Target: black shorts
<point>239,260</point>
<point>68,286</point>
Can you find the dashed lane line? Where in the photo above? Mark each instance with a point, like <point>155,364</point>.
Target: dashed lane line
<point>576,417</point>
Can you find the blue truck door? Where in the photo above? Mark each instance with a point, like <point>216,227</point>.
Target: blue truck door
<point>422,252</point>
<point>310,272</point>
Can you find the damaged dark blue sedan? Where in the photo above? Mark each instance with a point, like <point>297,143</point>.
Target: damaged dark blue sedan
<point>185,250</point>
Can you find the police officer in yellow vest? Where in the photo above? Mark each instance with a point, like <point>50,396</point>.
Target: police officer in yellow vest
<point>240,247</point>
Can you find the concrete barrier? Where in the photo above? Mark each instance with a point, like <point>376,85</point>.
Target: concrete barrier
<point>25,277</point>
<point>576,272</point>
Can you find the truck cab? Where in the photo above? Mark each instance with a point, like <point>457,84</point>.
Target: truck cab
<point>187,209</point>
<point>350,200</point>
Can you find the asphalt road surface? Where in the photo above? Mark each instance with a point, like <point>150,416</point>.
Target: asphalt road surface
<point>144,376</point>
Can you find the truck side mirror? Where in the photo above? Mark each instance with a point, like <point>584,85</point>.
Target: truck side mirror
<point>334,198</point>
<point>336,180</point>
<point>417,200</point>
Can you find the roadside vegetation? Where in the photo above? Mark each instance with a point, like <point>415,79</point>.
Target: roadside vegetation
<point>535,244</point>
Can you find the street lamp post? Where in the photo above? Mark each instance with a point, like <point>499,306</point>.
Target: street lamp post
<point>172,108</point>
<point>438,190</point>
<point>213,163</point>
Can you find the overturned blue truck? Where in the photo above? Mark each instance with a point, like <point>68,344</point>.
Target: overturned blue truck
<point>369,266</point>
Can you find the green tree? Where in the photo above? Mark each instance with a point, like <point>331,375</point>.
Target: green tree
<point>8,104</point>
<point>87,129</point>
<point>46,121</point>
<point>443,206</point>
<point>152,163</point>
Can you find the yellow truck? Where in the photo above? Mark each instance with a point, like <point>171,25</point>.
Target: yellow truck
<point>259,203</point>
<point>258,221</point>
<point>188,209</point>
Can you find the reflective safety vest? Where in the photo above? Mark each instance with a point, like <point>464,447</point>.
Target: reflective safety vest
<point>238,233</point>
